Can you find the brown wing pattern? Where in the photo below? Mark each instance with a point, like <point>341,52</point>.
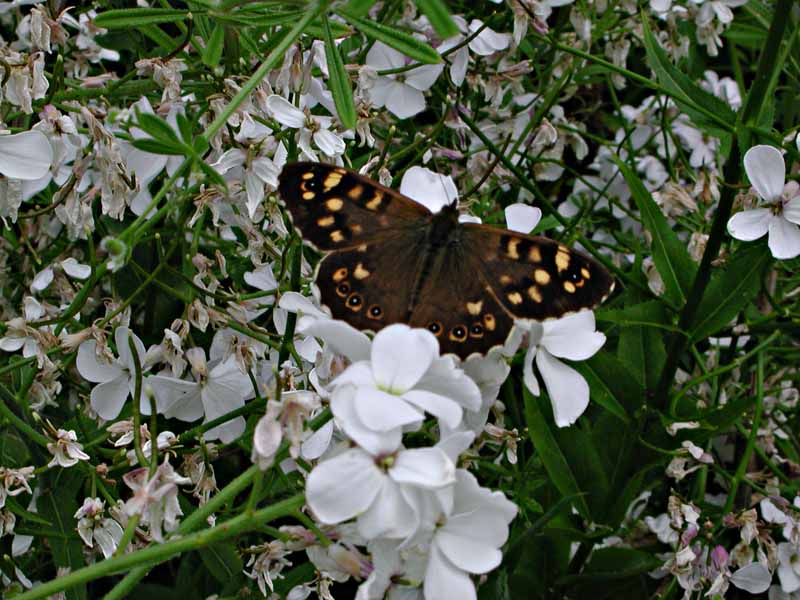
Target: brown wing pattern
<point>537,278</point>
<point>370,286</point>
<point>334,208</point>
<point>457,305</point>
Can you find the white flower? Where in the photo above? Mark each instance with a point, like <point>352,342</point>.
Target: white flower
<point>789,567</point>
<point>401,93</point>
<point>485,43</point>
<point>522,217</point>
<point>572,337</point>
<point>309,126</point>
<point>219,388</point>
<point>27,155</point>
<point>156,498</point>
<point>432,190</point>
<point>469,541</point>
<point>96,529</point>
<point>117,377</point>
<point>66,449</point>
<point>374,400</point>
<point>767,173</point>
<point>374,488</point>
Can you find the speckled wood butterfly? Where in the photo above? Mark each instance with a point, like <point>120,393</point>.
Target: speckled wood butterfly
<point>388,259</point>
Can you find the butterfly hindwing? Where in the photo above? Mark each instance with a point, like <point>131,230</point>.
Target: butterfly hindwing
<point>537,278</point>
<point>335,208</point>
<point>459,308</point>
<point>369,286</point>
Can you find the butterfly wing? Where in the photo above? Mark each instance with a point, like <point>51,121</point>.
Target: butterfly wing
<point>335,208</point>
<point>458,306</point>
<point>536,278</point>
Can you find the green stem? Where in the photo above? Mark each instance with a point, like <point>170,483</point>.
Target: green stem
<point>137,398</point>
<point>741,471</point>
<point>158,553</point>
<point>18,422</point>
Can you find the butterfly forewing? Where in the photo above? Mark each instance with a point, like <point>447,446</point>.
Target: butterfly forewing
<point>537,278</point>
<point>334,208</point>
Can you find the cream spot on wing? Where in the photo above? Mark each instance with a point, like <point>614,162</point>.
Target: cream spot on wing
<point>489,322</point>
<point>326,221</point>
<point>307,176</point>
<point>511,249</point>
<point>534,254</point>
<point>541,276</point>
<point>474,308</point>
<point>356,228</point>
<point>505,279</point>
<point>585,272</point>
<point>337,236</point>
<point>375,202</point>
<point>354,193</point>
<point>535,294</point>
<point>308,195</point>
<point>340,274</point>
<point>562,258</point>
<point>361,248</point>
<point>331,181</point>
<point>360,272</point>
<point>514,298</point>
<point>569,287</point>
<point>334,204</point>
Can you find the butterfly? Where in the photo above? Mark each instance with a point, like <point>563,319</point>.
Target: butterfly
<point>388,259</point>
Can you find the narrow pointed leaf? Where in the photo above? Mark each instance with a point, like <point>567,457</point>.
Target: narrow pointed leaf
<point>439,16</point>
<point>399,40</point>
<point>339,81</point>
<point>126,18</point>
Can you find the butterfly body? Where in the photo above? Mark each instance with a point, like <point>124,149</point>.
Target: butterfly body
<point>390,260</point>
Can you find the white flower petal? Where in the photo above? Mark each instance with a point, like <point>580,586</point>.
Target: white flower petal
<point>330,143</point>
<point>341,337</point>
<point>375,442</point>
<point>754,578</point>
<point>121,335</point>
<point>522,217</point>
<point>791,210</point>
<point>261,278</point>
<point>317,443</point>
<point>401,355</point>
<point>389,515</point>
<point>444,580</point>
<point>423,77</point>
<point>470,554</point>
<point>344,486</point>
<point>383,412</point>
<point>459,60</point>
<point>92,369</point>
<point>439,406</point>
<point>749,225</point>
<point>528,376</point>
<point>568,390</point>
<point>487,41</point>
<point>107,399</point>
<point>285,112</point>
<point>382,57</point>
<point>405,101</point>
<point>428,468</point>
<point>27,155</point>
<point>573,337</point>
<point>784,238</point>
<point>430,189</point>
<point>42,280</point>
<point>75,269</point>
<point>766,170</point>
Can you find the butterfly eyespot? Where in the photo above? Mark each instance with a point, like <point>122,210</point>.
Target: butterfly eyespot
<point>354,301</point>
<point>435,327</point>
<point>458,333</point>
<point>476,330</point>
<point>343,289</point>
<point>574,277</point>
<point>375,312</point>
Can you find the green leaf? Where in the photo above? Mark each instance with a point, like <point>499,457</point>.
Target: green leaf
<point>126,18</point>
<point>616,378</point>
<point>339,81</point>
<point>705,109</point>
<point>13,451</point>
<point>671,258</point>
<point>645,314</point>
<point>399,40</point>
<point>608,564</point>
<point>209,172</point>
<point>222,561</point>
<point>360,8</point>
<point>550,454</point>
<point>58,504</point>
<point>185,127</point>
<point>731,290</point>
<point>642,349</point>
<point>600,392</point>
<point>439,16</point>
<point>155,147</point>
<point>157,128</point>
<point>213,51</point>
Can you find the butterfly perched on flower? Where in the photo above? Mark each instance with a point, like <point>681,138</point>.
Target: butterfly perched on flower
<point>388,259</point>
